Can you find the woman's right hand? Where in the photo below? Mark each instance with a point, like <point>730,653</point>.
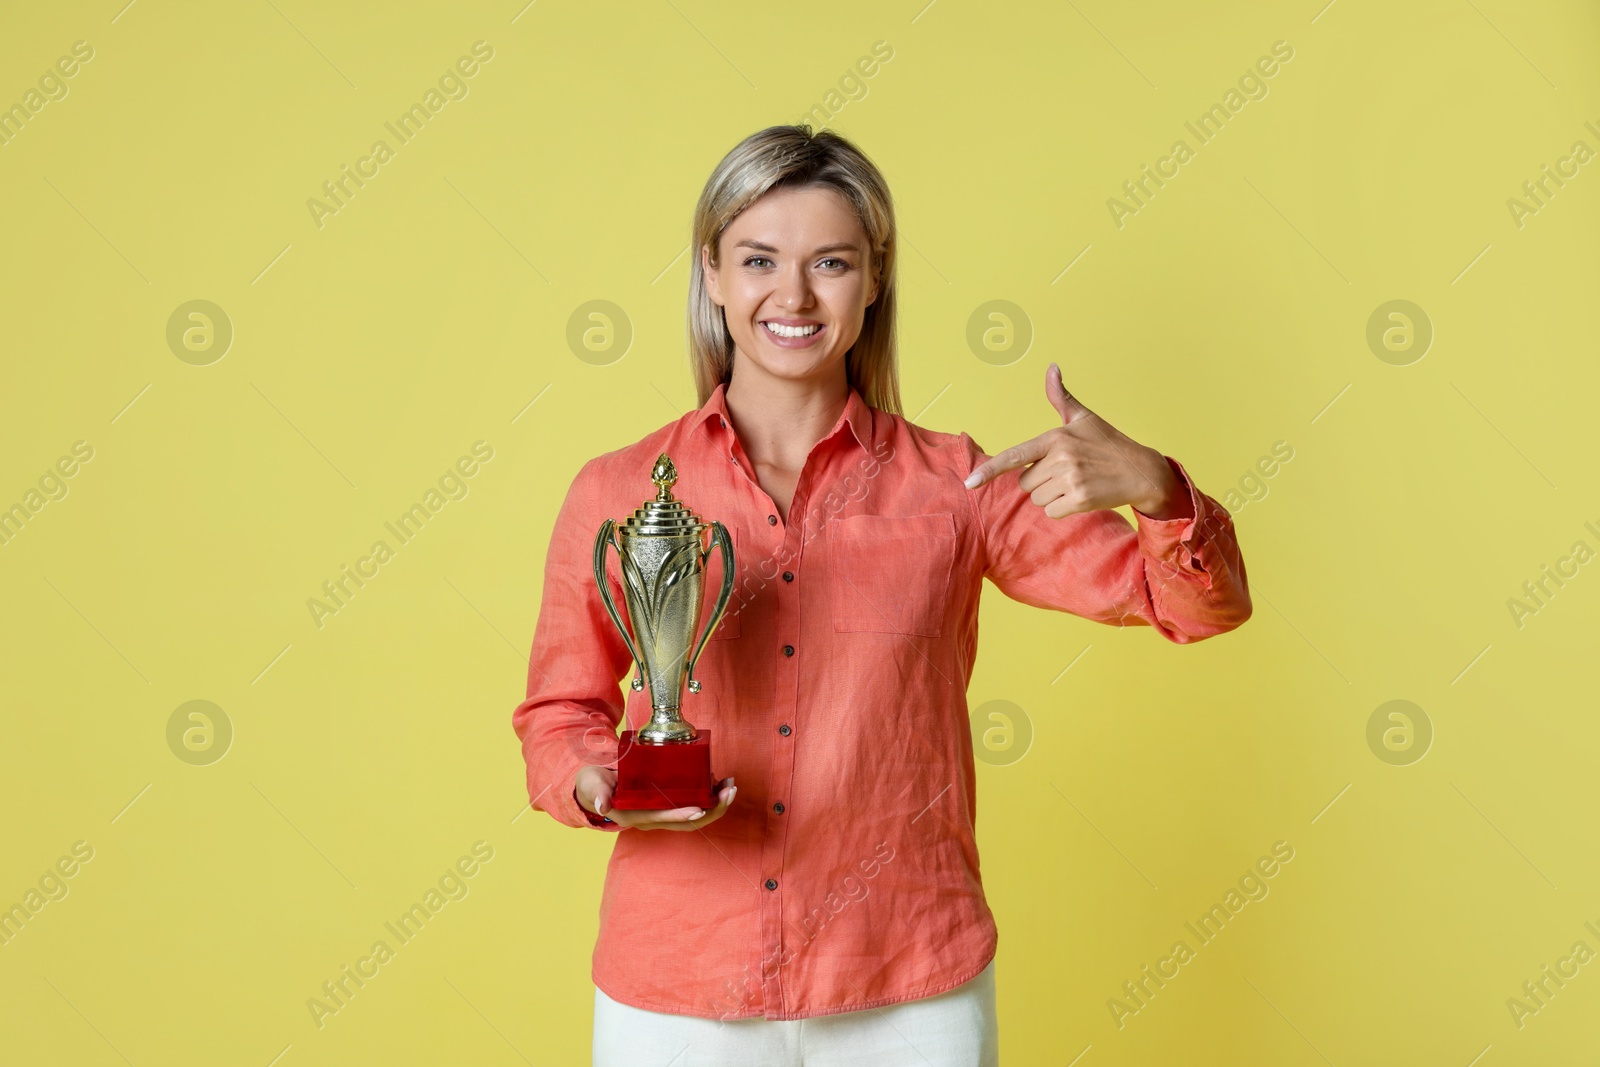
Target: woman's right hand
<point>594,786</point>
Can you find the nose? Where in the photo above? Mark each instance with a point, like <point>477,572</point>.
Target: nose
<point>793,292</point>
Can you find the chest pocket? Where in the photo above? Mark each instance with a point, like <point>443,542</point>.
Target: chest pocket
<point>891,573</point>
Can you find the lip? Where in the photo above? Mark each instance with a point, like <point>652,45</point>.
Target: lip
<point>793,342</point>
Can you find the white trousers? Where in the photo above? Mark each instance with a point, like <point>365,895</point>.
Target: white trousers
<point>956,1028</point>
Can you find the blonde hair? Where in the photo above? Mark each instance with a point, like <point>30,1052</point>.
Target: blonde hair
<point>787,157</point>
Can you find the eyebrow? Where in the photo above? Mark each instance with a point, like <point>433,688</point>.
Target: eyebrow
<point>760,247</point>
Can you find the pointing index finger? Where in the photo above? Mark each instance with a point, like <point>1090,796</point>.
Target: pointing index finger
<point>1012,458</point>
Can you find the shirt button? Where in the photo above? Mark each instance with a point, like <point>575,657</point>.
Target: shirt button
<point>772,883</point>
<point>778,807</point>
<point>788,576</point>
<point>784,730</point>
<point>772,520</point>
<point>788,650</point>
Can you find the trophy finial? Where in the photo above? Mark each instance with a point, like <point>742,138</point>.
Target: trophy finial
<point>664,475</point>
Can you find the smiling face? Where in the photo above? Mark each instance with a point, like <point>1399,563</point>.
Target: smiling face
<point>794,284</point>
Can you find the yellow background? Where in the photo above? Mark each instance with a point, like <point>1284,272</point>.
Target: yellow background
<point>1229,314</point>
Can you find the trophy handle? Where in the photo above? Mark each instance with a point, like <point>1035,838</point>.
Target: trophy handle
<point>603,540</point>
<point>721,540</point>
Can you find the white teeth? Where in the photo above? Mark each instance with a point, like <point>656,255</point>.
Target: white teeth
<point>792,331</point>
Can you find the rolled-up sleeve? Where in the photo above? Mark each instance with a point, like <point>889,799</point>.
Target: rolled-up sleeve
<point>1183,576</point>
<point>574,700</point>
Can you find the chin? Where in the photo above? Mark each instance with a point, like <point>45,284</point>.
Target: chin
<point>793,370</point>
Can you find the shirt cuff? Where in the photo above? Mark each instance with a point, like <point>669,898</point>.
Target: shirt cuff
<point>1179,540</point>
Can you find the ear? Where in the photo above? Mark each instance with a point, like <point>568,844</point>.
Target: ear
<point>712,282</point>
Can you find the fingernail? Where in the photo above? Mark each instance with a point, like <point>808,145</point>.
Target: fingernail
<point>733,793</point>
<point>696,813</point>
<point>972,480</point>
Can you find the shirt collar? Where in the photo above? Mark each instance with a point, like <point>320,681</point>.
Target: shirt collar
<point>857,415</point>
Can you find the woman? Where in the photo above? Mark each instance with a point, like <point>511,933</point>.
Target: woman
<point>835,913</point>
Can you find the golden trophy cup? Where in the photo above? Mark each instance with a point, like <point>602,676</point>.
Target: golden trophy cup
<point>663,550</point>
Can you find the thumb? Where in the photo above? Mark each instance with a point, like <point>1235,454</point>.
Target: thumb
<point>1065,403</point>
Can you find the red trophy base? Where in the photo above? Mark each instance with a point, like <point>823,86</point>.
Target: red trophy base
<point>655,776</point>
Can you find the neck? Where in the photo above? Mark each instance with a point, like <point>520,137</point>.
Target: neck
<point>779,420</point>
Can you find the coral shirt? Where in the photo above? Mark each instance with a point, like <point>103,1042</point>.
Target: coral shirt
<point>845,874</point>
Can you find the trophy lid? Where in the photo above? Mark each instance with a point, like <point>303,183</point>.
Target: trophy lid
<point>665,514</point>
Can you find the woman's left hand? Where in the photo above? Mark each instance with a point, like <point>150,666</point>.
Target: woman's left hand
<point>1086,464</point>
